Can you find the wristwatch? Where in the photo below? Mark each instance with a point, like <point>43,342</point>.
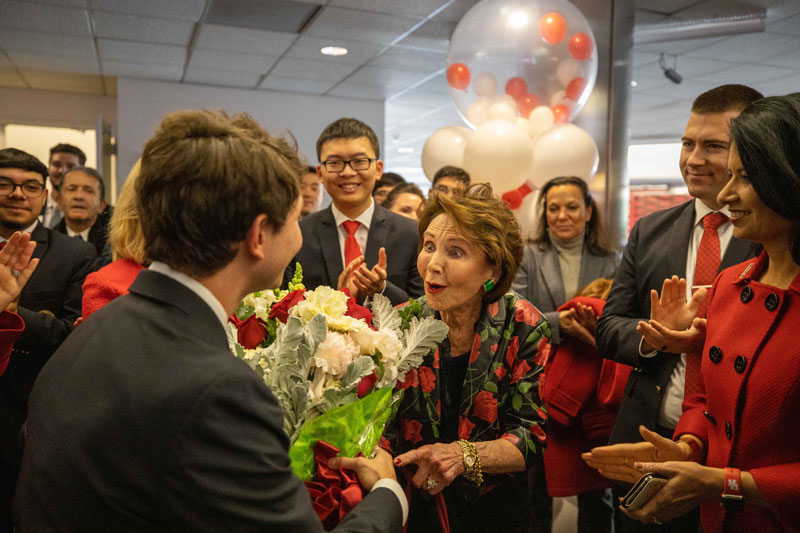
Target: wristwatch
<point>472,462</point>
<point>732,493</point>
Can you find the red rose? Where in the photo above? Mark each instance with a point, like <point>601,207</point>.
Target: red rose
<point>412,380</point>
<point>365,385</point>
<point>412,430</point>
<point>251,332</point>
<point>542,352</point>
<point>465,428</point>
<point>526,313</point>
<point>492,309</point>
<point>427,379</point>
<point>500,372</point>
<point>538,432</point>
<point>485,406</point>
<point>520,370</point>
<point>513,439</point>
<point>358,311</point>
<point>512,350</point>
<point>280,310</point>
<point>476,345</point>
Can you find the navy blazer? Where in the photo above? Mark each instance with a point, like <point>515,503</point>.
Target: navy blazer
<point>321,257</point>
<point>657,249</point>
<point>144,421</point>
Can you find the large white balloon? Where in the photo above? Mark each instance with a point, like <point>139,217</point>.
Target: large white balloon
<point>540,119</point>
<point>563,150</point>
<point>499,153</point>
<point>502,111</point>
<point>478,111</point>
<point>444,147</point>
<point>507,98</point>
<point>528,214</point>
<point>485,84</point>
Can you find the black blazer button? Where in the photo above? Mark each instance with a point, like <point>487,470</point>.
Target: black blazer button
<point>740,364</point>
<point>747,294</point>
<point>710,417</point>
<point>772,302</point>
<point>728,430</point>
<point>715,354</point>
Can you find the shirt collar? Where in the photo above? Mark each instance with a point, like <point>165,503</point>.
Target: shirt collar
<point>84,235</point>
<point>195,286</point>
<point>701,210</point>
<point>364,218</point>
<point>29,229</point>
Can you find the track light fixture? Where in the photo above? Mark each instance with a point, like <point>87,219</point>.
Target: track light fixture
<point>670,72</point>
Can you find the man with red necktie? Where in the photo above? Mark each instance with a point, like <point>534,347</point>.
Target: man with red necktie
<point>355,243</point>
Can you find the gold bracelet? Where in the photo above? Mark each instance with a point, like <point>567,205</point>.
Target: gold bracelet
<point>472,462</point>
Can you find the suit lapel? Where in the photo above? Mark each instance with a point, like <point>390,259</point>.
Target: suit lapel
<point>590,266</point>
<point>551,272</point>
<point>329,244</point>
<point>378,231</point>
<point>41,235</point>
<point>678,247</point>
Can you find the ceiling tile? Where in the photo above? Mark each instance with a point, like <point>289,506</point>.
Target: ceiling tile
<point>411,59</point>
<point>78,65</point>
<point>789,25</point>
<point>142,70</point>
<point>392,79</point>
<point>643,58</point>
<point>666,7</point>
<point>310,69</point>
<point>749,74</point>
<point>299,85</point>
<point>407,8</point>
<point>782,9</point>
<point>433,35</point>
<point>66,3</point>
<point>456,11</point>
<point>353,90</point>
<point>9,77</point>
<point>231,61</point>
<point>365,26</point>
<point>27,15</point>
<point>221,77</point>
<point>79,83</point>
<point>357,51</point>
<point>749,48</point>
<point>47,43</point>
<point>243,40</point>
<point>142,52</point>
<point>783,60</point>
<point>678,47</point>
<point>643,16</point>
<point>173,9</point>
<point>144,29</point>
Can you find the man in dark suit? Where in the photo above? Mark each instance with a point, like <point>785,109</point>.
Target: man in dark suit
<point>356,243</point>
<point>62,158</point>
<point>143,420</point>
<point>83,201</point>
<point>661,245</point>
<point>48,305</point>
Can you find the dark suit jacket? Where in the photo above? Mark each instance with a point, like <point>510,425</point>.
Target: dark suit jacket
<point>98,234</point>
<point>657,249</point>
<point>144,421</point>
<point>539,279</point>
<point>321,257</point>
<point>49,304</point>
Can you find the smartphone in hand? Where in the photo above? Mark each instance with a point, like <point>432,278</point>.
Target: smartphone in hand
<point>644,489</point>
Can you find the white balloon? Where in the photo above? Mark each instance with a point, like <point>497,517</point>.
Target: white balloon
<point>484,84</point>
<point>477,114</point>
<point>523,123</point>
<point>540,119</point>
<point>528,214</point>
<point>568,70</point>
<point>502,111</point>
<point>444,147</point>
<point>559,97</point>
<point>507,98</point>
<point>499,153</point>
<point>563,150</point>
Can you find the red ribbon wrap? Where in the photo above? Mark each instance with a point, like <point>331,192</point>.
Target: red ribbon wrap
<point>333,492</point>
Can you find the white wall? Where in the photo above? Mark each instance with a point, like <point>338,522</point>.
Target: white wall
<point>56,108</point>
<point>142,104</point>
<point>38,140</point>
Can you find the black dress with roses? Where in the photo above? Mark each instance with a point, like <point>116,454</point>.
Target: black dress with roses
<point>499,399</point>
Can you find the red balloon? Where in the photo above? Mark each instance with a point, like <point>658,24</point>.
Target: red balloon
<point>581,46</point>
<point>575,88</point>
<point>458,76</point>
<point>560,113</point>
<point>553,28</point>
<point>516,87</point>
<point>526,104</point>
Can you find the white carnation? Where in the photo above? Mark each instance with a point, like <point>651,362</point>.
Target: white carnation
<point>322,300</point>
<point>335,354</point>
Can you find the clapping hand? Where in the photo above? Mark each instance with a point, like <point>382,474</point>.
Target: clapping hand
<point>16,267</point>
<point>672,326</point>
<point>346,278</point>
<point>369,282</point>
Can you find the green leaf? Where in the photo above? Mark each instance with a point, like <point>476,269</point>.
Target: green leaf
<point>507,334</point>
<point>533,337</point>
<point>384,316</point>
<point>422,337</point>
<point>496,365</point>
<point>484,334</point>
<point>524,387</point>
<point>411,310</point>
<point>531,445</point>
<point>491,386</point>
<point>516,402</point>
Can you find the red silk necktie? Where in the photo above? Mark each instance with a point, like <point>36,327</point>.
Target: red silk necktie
<point>706,267</point>
<point>351,247</point>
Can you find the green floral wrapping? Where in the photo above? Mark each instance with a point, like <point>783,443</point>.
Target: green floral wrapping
<point>354,428</point>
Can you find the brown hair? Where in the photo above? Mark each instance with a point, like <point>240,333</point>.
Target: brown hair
<point>596,236</point>
<point>409,188</point>
<point>487,222</point>
<point>348,128</point>
<point>204,179</point>
<point>731,97</point>
<point>125,229</point>
<point>449,171</point>
<point>598,288</point>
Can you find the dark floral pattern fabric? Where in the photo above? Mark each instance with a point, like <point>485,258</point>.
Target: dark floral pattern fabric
<point>501,392</point>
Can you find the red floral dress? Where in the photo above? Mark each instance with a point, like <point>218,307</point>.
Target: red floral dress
<point>500,398</point>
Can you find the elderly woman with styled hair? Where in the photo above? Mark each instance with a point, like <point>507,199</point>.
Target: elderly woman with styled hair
<point>471,424</point>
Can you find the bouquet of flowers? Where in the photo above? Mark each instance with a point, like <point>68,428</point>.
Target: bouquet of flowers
<point>331,363</point>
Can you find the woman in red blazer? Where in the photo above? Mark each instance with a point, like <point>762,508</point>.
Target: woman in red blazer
<point>16,268</point>
<point>738,453</point>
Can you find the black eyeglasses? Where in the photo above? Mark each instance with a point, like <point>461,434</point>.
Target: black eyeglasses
<point>337,165</point>
<point>30,188</point>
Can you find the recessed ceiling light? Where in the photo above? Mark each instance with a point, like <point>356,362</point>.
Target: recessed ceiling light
<point>405,150</point>
<point>333,50</point>
<point>634,83</point>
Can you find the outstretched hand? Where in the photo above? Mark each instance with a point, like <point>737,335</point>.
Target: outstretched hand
<point>16,267</point>
<point>369,471</point>
<point>674,341</point>
<point>440,463</point>
<point>671,310</point>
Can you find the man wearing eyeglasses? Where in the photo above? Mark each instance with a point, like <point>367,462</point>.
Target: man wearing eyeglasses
<point>49,303</point>
<point>355,243</point>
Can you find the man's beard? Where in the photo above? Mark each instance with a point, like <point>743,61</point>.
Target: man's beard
<point>16,226</point>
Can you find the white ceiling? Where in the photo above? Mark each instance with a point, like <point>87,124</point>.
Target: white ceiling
<point>397,51</point>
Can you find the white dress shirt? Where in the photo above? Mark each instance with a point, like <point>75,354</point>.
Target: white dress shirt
<point>51,214</point>
<point>671,409</point>
<point>362,233</point>
<point>29,229</point>
<point>82,234</point>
